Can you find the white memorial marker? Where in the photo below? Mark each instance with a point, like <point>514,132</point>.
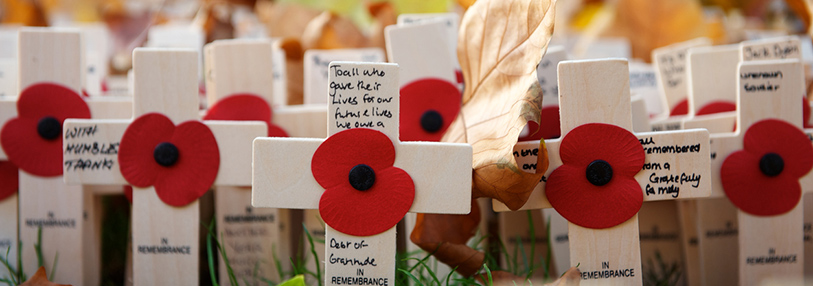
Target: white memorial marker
<point>363,180</point>
<point>167,179</point>
<point>32,139</point>
<point>238,86</point>
<point>602,214</point>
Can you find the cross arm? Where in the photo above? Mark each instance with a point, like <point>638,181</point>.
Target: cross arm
<point>283,178</point>
<point>90,151</point>
<point>685,167</point>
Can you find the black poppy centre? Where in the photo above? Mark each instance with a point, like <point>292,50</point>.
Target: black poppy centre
<point>362,177</point>
<point>431,121</point>
<point>49,128</point>
<point>771,164</point>
<point>599,172</point>
<point>166,154</point>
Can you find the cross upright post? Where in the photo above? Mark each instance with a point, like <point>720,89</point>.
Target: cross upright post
<point>396,176</point>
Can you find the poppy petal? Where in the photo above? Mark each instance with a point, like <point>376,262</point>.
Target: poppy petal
<point>755,193</point>
<point>381,208</point>
<point>587,205</point>
<point>425,95</point>
<point>717,107</point>
<point>9,177</point>
<point>48,99</point>
<point>806,113</point>
<point>681,108</point>
<point>30,152</point>
<point>245,106</point>
<point>344,150</point>
<point>196,168</point>
<point>777,136</point>
<point>599,141</point>
<point>136,151</point>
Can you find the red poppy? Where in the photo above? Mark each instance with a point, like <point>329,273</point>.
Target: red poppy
<point>428,107</point>
<point>33,139</point>
<point>364,194</point>
<point>181,162</point>
<point>596,187</point>
<point>245,106</point>
<point>763,178</point>
<point>682,108</point>
<point>549,116</point>
<point>10,179</point>
<point>717,107</point>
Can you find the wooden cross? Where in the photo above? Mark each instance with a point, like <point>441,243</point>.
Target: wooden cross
<point>715,218</point>
<point>165,82</point>
<point>251,237</point>
<point>756,233</point>
<point>584,97</point>
<point>61,211</point>
<point>440,172</point>
<point>671,75</point>
<point>421,51</point>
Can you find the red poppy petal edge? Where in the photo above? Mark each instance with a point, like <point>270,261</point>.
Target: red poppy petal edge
<point>30,152</point>
<point>370,212</point>
<point>136,158</point>
<point>197,166</point>
<point>9,176</point>
<point>586,205</point>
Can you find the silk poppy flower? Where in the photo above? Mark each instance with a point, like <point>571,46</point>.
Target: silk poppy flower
<point>763,178</point>
<point>428,107</point>
<point>181,162</point>
<point>10,179</point>
<point>596,187</point>
<point>245,106</point>
<point>33,139</point>
<point>364,193</point>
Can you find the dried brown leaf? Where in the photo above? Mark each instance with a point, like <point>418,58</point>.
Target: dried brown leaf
<point>446,235</point>
<point>499,45</point>
<point>294,69</point>
<point>40,279</point>
<point>331,31</point>
<point>384,15</point>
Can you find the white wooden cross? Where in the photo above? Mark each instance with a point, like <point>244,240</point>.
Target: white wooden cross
<point>45,201</point>
<point>671,74</point>
<point>715,218</point>
<point>439,171</point>
<point>420,48</point>
<point>597,91</point>
<point>165,81</point>
<point>251,237</point>
<point>759,236</point>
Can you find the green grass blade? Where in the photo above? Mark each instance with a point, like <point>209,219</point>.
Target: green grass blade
<point>210,257</point>
<point>53,269</point>
<point>315,256</point>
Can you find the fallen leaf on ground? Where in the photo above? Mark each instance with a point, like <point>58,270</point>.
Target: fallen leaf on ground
<point>294,69</point>
<point>331,31</point>
<point>570,278</point>
<point>40,279</point>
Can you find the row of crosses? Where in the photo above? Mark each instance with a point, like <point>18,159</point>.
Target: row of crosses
<point>363,178</point>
